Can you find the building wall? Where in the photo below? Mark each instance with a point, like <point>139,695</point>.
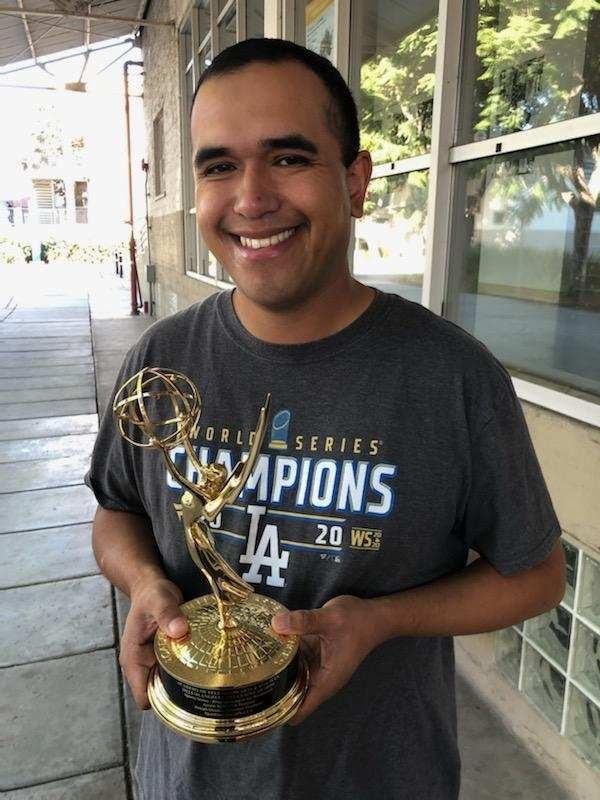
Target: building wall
<point>174,290</point>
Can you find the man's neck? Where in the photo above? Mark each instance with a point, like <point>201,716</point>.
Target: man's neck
<point>329,312</point>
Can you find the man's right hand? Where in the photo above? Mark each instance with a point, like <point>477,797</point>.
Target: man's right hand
<point>154,604</point>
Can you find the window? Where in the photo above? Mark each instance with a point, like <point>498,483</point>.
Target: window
<point>554,659</point>
<point>211,26</point>
<point>159,156</point>
<point>394,77</point>
<point>390,244</point>
<point>80,191</point>
<point>397,51</point>
<point>528,65</point>
<point>526,252</point>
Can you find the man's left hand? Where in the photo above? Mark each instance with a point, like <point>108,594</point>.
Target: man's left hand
<point>335,639</point>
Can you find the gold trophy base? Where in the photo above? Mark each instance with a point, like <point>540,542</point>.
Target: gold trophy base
<point>215,686</point>
<point>212,731</point>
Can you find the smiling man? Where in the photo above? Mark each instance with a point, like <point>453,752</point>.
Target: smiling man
<point>397,444</point>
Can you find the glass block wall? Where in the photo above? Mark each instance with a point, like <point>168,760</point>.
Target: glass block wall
<point>554,659</point>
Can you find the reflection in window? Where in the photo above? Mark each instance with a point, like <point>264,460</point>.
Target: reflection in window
<point>255,19</point>
<point>389,240</point>
<point>525,266</point>
<point>397,57</point>
<point>228,29</point>
<point>316,27</point>
<point>531,64</point>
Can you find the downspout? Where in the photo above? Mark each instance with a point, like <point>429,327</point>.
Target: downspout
<point>136,295</point>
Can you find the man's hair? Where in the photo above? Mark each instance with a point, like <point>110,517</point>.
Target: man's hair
<point>341,113</point>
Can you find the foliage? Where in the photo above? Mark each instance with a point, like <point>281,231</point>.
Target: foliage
<point>82,252</point>
<point>44,147</point>
<point>13,251</point>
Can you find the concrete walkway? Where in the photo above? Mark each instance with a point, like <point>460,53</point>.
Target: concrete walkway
<point>69,726</point>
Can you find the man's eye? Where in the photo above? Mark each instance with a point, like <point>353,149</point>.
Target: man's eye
<point>216,169</point>
<point>293,160</point>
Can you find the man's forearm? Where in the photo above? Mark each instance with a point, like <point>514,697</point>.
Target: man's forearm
<point>125,549</point>
<point>474,600</point>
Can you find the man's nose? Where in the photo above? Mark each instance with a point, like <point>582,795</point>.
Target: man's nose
<point>255,193</point>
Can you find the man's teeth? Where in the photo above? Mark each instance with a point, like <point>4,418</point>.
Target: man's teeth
<point>256,244</point>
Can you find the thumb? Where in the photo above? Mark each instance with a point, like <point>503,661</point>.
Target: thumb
<point>299,622</point>
<point>169,617</point>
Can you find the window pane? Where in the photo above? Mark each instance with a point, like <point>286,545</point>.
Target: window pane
<point>186,42</point>
<point>525,259</point>
<point>255,19</point>
<point>228,29</point>
<point>315,27</point>
<point>528,64</point>
<point>389,249</point>
<point>203,18</point>
<point>397,57</point>
<point>543,685</point>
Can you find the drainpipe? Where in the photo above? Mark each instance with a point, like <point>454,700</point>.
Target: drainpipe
<point>136,295</point>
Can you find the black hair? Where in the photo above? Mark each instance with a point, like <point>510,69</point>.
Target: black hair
<point>342,116</point>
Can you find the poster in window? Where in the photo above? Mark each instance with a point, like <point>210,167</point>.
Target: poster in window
<point>320,28</point>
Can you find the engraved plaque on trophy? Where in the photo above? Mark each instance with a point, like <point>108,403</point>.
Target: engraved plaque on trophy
<point>231,676</point>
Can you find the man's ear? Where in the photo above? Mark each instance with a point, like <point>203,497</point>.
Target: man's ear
<point>358,175</point>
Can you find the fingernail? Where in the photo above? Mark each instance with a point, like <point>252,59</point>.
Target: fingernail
<point>281,622</point>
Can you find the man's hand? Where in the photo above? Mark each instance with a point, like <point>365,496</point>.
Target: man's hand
<point>154,604</point>
<point>335,639</point>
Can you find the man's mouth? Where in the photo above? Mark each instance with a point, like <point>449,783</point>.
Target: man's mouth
<point>250,243</point>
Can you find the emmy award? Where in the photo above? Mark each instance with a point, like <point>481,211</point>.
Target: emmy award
<point>231,676</point>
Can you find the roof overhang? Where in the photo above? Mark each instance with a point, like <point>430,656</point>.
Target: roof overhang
<point>31,30</point>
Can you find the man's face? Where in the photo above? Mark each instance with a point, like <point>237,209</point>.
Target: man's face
<point>275,170</point>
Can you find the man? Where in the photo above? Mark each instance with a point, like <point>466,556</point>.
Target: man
<point>397,444</point>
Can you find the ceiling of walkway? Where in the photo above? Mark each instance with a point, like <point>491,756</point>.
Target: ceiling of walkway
<point>34,29</point>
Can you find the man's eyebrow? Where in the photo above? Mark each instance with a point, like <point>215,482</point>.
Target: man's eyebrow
<point>292,141</point>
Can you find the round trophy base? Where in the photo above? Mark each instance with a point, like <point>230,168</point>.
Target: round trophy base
<point>224,686</point>
<point>211,730</point>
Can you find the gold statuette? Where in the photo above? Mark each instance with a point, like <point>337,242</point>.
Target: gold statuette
<point>231,676</point>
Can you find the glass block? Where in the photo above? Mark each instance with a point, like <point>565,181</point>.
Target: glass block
<point>589,596</point>
<point>571,556</point>
<point>586,667</point>
<point>552,633</point>
<point>543,685</point>
<point>583,726</point>
<point>508,654</point>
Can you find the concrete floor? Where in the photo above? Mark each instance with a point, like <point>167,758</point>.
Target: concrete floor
<point>72,727</point>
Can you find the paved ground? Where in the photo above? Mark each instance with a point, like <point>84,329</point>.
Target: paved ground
<point>69,724</point>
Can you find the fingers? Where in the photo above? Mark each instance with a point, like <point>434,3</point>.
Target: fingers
<point>154,606</point>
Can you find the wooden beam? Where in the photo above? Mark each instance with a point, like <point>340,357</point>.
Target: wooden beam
<point>97,17</point>
<point>27,31</point>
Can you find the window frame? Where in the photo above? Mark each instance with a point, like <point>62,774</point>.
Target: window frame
<point>158,148</point>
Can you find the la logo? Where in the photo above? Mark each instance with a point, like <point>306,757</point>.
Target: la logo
<point>264,554</point>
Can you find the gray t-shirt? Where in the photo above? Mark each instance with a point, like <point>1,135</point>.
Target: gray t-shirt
<point>393,447</point>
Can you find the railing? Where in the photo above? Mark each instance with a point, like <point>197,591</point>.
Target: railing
<point>81,214</point>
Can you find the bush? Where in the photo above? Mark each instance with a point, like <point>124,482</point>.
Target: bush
<point>14,252</point>
<point>81,252</point>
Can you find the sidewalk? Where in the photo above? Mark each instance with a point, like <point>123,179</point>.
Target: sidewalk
<point>70,727</point>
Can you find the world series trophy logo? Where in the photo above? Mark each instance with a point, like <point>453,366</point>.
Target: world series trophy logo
<point>231,676</point>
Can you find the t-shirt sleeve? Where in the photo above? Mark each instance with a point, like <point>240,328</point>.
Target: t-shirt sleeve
<point>112,475</point>
<point>509,518</point>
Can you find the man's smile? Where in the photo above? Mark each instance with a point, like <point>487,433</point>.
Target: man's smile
<point>255,248</point>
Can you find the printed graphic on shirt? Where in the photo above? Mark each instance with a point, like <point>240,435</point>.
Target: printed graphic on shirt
<point>318,494</point>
